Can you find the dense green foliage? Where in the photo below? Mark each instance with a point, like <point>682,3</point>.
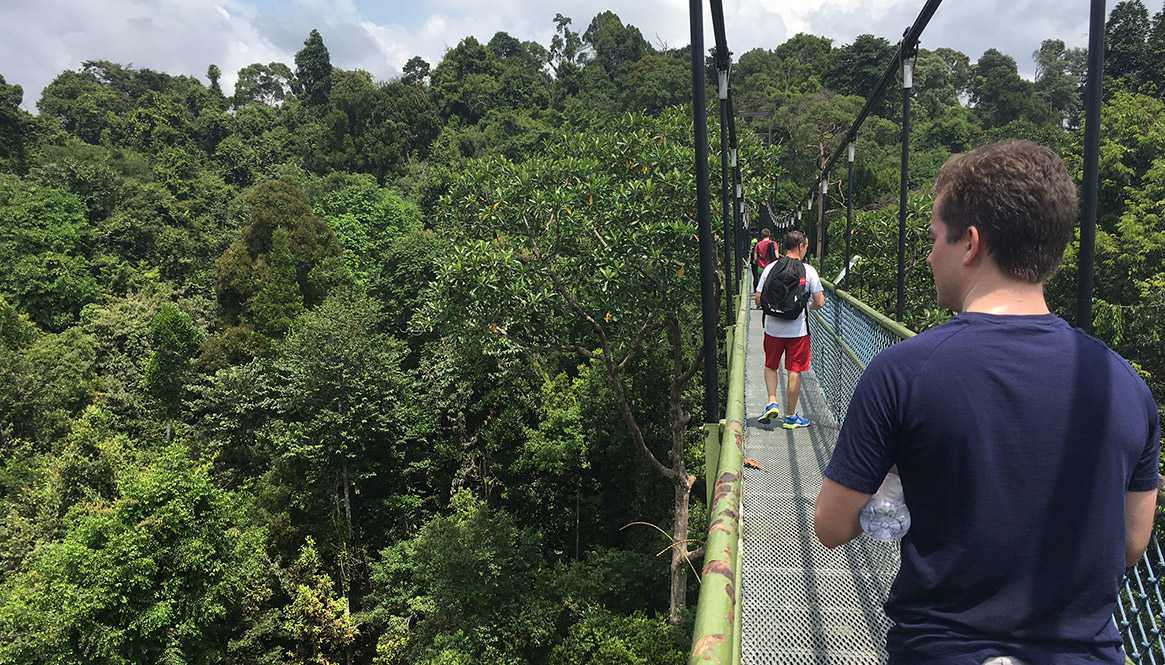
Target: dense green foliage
<point>332,370</point>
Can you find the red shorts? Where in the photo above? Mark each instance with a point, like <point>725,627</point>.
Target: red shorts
<point>796,350</point>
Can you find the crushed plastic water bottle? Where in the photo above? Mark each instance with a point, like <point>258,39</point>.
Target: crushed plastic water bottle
<point>885,516</point>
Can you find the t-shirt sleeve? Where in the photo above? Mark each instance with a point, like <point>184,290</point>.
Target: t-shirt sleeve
<point>1145,474</point>
<point>813,280</point>
<point>864,451</point>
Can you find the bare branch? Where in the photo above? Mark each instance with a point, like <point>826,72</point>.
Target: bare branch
<point>696,554</point>
<point>600,239</point>
<point>548,348</point>
<point>638,342</point>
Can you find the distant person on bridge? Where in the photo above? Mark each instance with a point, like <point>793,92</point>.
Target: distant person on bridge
<point>784,336</point>
<point>763,253</point>
<point>1027,450</point>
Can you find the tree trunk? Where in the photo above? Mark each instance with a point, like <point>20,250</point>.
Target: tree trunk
<point>347,503</point>
<point>679,552</point>
<point>348,549</point>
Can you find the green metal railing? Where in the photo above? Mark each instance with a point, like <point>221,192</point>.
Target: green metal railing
<point>846,335</point>
<point>716,637</point>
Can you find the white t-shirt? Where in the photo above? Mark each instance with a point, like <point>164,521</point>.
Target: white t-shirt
<point>798,327</point>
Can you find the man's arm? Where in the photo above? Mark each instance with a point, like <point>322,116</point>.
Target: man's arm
<point>818,300</point>
<point>835,520</point>
<point>1139,507</point>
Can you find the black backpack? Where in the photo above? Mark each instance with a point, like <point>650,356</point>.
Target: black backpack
<point>784,295</point>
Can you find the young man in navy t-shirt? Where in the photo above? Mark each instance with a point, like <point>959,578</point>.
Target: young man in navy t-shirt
<point>1027,450</point>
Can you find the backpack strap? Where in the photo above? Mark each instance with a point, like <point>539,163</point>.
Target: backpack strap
<point>805,276</point>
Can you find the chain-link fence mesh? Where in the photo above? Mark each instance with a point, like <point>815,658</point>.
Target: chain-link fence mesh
<point>845,338</point>
<point>1139,612</point>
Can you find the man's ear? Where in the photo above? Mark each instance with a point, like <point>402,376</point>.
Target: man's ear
<point>973,245</point>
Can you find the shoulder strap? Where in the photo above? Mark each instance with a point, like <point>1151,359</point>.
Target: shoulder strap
<point>809,296</point>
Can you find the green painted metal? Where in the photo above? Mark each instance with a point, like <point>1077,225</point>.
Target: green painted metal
<point>885,322</point>
<point>712,435</point>
<point>716,636</point>
<point>729,331</point>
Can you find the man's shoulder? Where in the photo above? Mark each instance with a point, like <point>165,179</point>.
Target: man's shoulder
<point>812,278</point>
<point>918,349</point>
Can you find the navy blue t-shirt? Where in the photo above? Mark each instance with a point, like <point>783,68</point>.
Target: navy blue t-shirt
<point>1016,438</point>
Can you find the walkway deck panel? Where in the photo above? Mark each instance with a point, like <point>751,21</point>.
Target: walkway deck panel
<point>802,603</point>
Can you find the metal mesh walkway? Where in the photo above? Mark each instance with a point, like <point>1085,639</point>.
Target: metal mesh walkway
<point>802,603</point>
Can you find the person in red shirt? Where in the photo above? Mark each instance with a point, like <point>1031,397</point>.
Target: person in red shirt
<point>763,253</point>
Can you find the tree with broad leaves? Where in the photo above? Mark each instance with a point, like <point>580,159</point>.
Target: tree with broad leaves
<point>349,414</point>
<point>590,249</point>
<point>175,340</point>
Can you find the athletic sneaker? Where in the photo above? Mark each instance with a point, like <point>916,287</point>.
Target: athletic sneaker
<point>794,421</point>
<point>771,411</point>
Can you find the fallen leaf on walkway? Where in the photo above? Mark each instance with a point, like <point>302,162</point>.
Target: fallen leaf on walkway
<point>753,464</point>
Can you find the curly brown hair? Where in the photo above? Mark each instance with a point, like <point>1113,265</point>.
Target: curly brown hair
<point>1020,197</point>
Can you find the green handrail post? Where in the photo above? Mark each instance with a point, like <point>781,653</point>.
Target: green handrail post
<point>729,333</point>
<point>716,636</point>
<point>712,435</point>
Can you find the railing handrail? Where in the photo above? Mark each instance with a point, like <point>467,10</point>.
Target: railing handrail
<point>716,634</point>
<point>885,322</point>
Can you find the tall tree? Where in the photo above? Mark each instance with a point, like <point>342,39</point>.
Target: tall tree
<point>416,71</point>
<point>1154,69</point>
<point>1055,82</point>
<point>855,69</point>
<point>466,84</point>
<point>613,45</point>
<point>349,415</point>
<point>1125,43</point>
<point>213,74</point>
<point>18,129</point>
<point>313,71</point>
<point>265,84</point>
<point>1001,96</point>
<point>588,251</point>
<point>274,205</point>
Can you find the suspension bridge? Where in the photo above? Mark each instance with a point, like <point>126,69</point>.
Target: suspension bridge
<point>770,593</point>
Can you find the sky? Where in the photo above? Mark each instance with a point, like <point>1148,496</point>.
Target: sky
<point>39,39</point>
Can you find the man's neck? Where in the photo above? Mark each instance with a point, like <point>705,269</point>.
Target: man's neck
<point>1005,296</point>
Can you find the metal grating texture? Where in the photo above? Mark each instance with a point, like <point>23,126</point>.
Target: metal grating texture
<point>1141,606</point>
<point>802,603</point>
<point>845,339</point>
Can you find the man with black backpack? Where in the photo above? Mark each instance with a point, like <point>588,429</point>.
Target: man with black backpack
<point>788,288</point>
